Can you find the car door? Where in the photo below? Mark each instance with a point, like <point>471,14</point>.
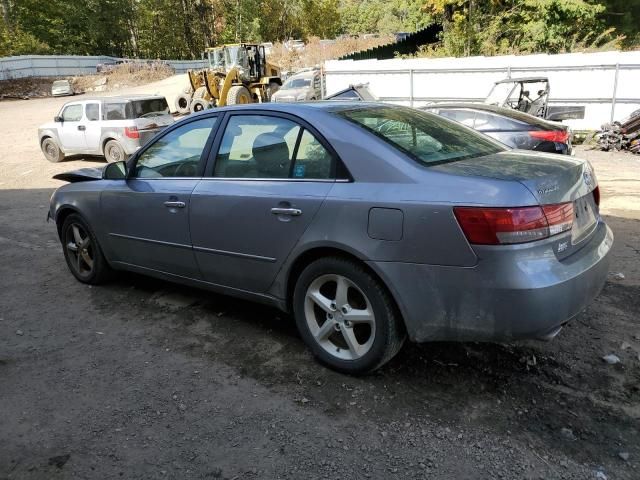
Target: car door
<point>271,175</point>
<point>146,216</point>
<point>93,131</point>
<point>72,128</point>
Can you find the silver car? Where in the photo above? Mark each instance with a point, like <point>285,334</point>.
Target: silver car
<point>301,87</point>
<point>61,88</point>
<point>368,222</point>
<point>114,127</point>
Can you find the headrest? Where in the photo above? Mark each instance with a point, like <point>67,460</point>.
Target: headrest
<point>271,153</point>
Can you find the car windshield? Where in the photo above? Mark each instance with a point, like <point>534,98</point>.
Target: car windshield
<point>61,83</point>
<point>499,93</point>
<point>425,137</point>
<point>149,108</point>
<point>296,83</point>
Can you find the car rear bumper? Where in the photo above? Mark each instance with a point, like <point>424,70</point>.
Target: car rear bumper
<point>514,293</point>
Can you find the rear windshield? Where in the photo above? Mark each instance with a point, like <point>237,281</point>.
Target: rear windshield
<point>136,109</point>
<point>149,108</point>
<point>425,137</point>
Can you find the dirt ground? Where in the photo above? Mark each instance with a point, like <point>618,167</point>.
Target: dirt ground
<point>145,379</point>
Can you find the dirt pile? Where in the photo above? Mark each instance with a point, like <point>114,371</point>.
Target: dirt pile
<point>317,51</point>
<point>124,75</point>
<point>120,76</point>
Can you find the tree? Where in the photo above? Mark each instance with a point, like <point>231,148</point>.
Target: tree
<point>474,27</point>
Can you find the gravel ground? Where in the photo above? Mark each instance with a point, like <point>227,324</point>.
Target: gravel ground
<point>145,379</point>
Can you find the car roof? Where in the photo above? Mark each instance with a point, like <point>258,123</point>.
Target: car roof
<point>118,98</point>
<point>484,107</point>
<point>299,107</point>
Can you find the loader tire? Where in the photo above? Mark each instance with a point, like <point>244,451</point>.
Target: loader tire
<point>238,95</point>
<point>183,103</point>
<point>200,93</point>
<point>198,104</point>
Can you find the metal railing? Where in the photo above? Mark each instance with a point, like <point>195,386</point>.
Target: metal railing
<point>508,71</point>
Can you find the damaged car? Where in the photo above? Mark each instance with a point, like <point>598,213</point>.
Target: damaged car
<point>370,223</point>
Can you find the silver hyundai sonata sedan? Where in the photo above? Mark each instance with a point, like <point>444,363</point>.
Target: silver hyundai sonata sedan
<point>368,222</point>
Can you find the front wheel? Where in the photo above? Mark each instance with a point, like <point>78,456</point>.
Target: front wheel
<point>82,252</point>
<point>238,95</point>
<point>52,151</point>
<point>346,316</point>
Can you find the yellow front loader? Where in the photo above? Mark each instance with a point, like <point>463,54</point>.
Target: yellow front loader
<point>237,74</point>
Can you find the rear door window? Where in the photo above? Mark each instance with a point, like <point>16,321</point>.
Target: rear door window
<point>72,113</point>
<point>92,111</point>
<point>268,147</point>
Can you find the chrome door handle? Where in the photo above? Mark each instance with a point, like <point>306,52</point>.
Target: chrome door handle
<point>175,204</point>
<point>294,212</point>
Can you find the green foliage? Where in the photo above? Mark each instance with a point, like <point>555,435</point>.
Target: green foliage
<point>520,26</point>
<point>183,28</point>
<point>383,16</point>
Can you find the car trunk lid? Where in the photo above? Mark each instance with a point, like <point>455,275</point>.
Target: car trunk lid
<point>551,179</point>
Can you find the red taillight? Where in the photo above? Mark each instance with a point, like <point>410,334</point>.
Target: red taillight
<point>559,136</point>
<point>131,132</point>
<point>496,226</point>
<point>596,196</point>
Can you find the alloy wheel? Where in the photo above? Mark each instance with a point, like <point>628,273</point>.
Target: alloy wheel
<point>340,317</point>
<point>79,249</point>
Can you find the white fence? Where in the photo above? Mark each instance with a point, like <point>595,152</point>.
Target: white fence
<point>68,65</point>
<point>607,84</point>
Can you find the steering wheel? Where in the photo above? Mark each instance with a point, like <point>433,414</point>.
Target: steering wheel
<point>186,169</point>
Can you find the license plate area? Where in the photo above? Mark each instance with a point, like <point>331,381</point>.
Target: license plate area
<point>585,218</point>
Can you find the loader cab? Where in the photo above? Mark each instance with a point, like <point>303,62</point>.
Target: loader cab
<point>216,58</point>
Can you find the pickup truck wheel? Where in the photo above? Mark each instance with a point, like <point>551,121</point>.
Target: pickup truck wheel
<point>114,152</point>
<point>51,150</point>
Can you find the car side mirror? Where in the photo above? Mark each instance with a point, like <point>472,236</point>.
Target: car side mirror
<point>57,119</point>
<point>115,171</point>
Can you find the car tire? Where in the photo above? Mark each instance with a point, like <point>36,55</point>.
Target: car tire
<point>51,150</point>
<point>183,103</point>
<point>82,251</point>
<point>366,330</point>
<point>114,152</point>
<point>199,104</point>
<point>273,88</point>
<point>238,95</point>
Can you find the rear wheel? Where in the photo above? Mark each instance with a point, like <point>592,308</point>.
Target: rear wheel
<point>238,95</point>
<point>51,150</point>
<point>82,252</point>
<point>114,152</point>
<point>346,316</point>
